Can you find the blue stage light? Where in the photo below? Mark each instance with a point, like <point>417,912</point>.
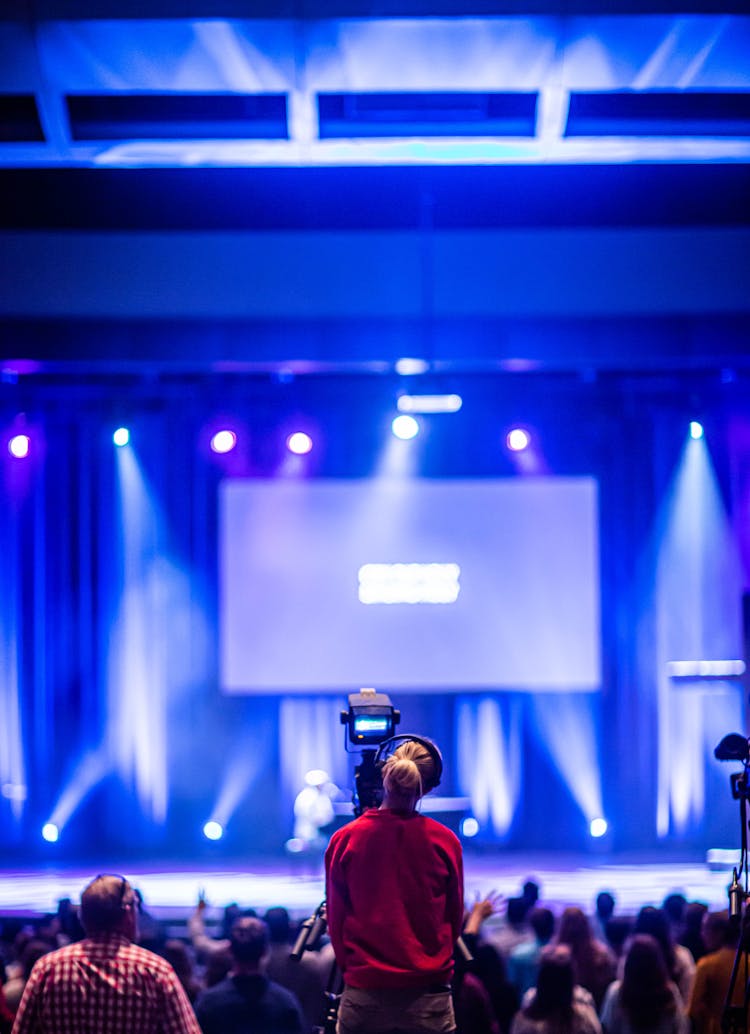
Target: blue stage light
<point>405,427</point>
<point>223,441</point>
<point>213,830</point>
<point>19,446</point>
<point>696,429</point>
<point>407,367</point>
<point>517,439</point>
<point>121,437</point>
<point>50,832</point>
<point>469,827</point>
<point>299,443</point>
<point>598,827</point>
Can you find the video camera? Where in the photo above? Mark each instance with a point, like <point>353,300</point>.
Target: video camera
<point>370,721</point>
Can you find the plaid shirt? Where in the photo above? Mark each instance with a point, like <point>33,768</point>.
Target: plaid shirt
<point>104,986</point>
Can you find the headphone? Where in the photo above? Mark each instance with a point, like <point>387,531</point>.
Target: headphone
<point>387,747</point>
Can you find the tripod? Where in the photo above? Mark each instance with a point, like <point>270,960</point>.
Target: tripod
<point>734,1017</point>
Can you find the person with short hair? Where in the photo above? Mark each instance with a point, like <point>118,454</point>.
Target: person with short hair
<point>394,893</point>
<point>246,1001</point>
<point>106,982</point>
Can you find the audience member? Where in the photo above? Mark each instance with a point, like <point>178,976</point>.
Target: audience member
<point>178,955</point>
<point>530,894</point>
<point>14,988</point>
<point>553,1006</point>
<point>306,977</point>
<point>713,975</point>
<point>692,934</point>
<point>105,982</point>
<point>515,930</point>
<point>489,966</point>
<point>523,961</point>
<point>674,906</point>
<point>678,960</point>
<point>6,1016</point>
<point>70,923</point>
<point>645,1001</point>
<point>616,934</point>
<point>150,931</point>
<point>246,1001</point>
<point>217,966</point>
<point>471,1003</point>
<point>593,962</point>
<point>604,909</point>
<point>206,946</point>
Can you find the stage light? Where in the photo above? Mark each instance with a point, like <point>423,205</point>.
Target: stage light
<point>598,827</point>
<point>121,437</point>
<point>408,367</point>
<point>19,445</point>
<point>299,443</point>
<point>405,427</point>
<point>50,833</point>
<point>429,403</point>
<point>223,441</point>
<point>469,827</point>
<point>517,439</point>
<point>696,429</point>
<point>213,830</point>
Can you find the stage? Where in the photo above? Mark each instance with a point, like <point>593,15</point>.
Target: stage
<point>170,891</point>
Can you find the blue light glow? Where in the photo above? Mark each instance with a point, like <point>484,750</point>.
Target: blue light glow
<point>411,367</point>
<point>598,827</point>
<point>213,830</point>
<point>698,579</point>
<point>19,446</point>
<point>517,439</point>
<point>469,827</point>
<point>429,403</point>
<point>696,430</point>
<point>405,427</point>
<point>299,443</point>
<point>121,437</point>
<point>223,441</point>
<point>489,760</point>
<point>50,833</point>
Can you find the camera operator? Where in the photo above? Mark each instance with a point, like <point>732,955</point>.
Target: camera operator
<point>394,891</point>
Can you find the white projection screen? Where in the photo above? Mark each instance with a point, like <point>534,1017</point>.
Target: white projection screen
<point>475,584</point>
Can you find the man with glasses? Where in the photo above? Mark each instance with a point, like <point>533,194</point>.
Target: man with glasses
<point>105,984</point>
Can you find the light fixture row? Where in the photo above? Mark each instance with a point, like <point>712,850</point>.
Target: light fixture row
<point>405,427</point>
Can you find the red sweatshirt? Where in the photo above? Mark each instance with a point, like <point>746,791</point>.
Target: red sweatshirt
<point>394,899</point>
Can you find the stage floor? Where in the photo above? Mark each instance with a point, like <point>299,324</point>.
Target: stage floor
<point>171,891</point>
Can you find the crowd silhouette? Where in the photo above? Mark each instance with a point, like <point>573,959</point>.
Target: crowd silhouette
<point>533,968</point>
